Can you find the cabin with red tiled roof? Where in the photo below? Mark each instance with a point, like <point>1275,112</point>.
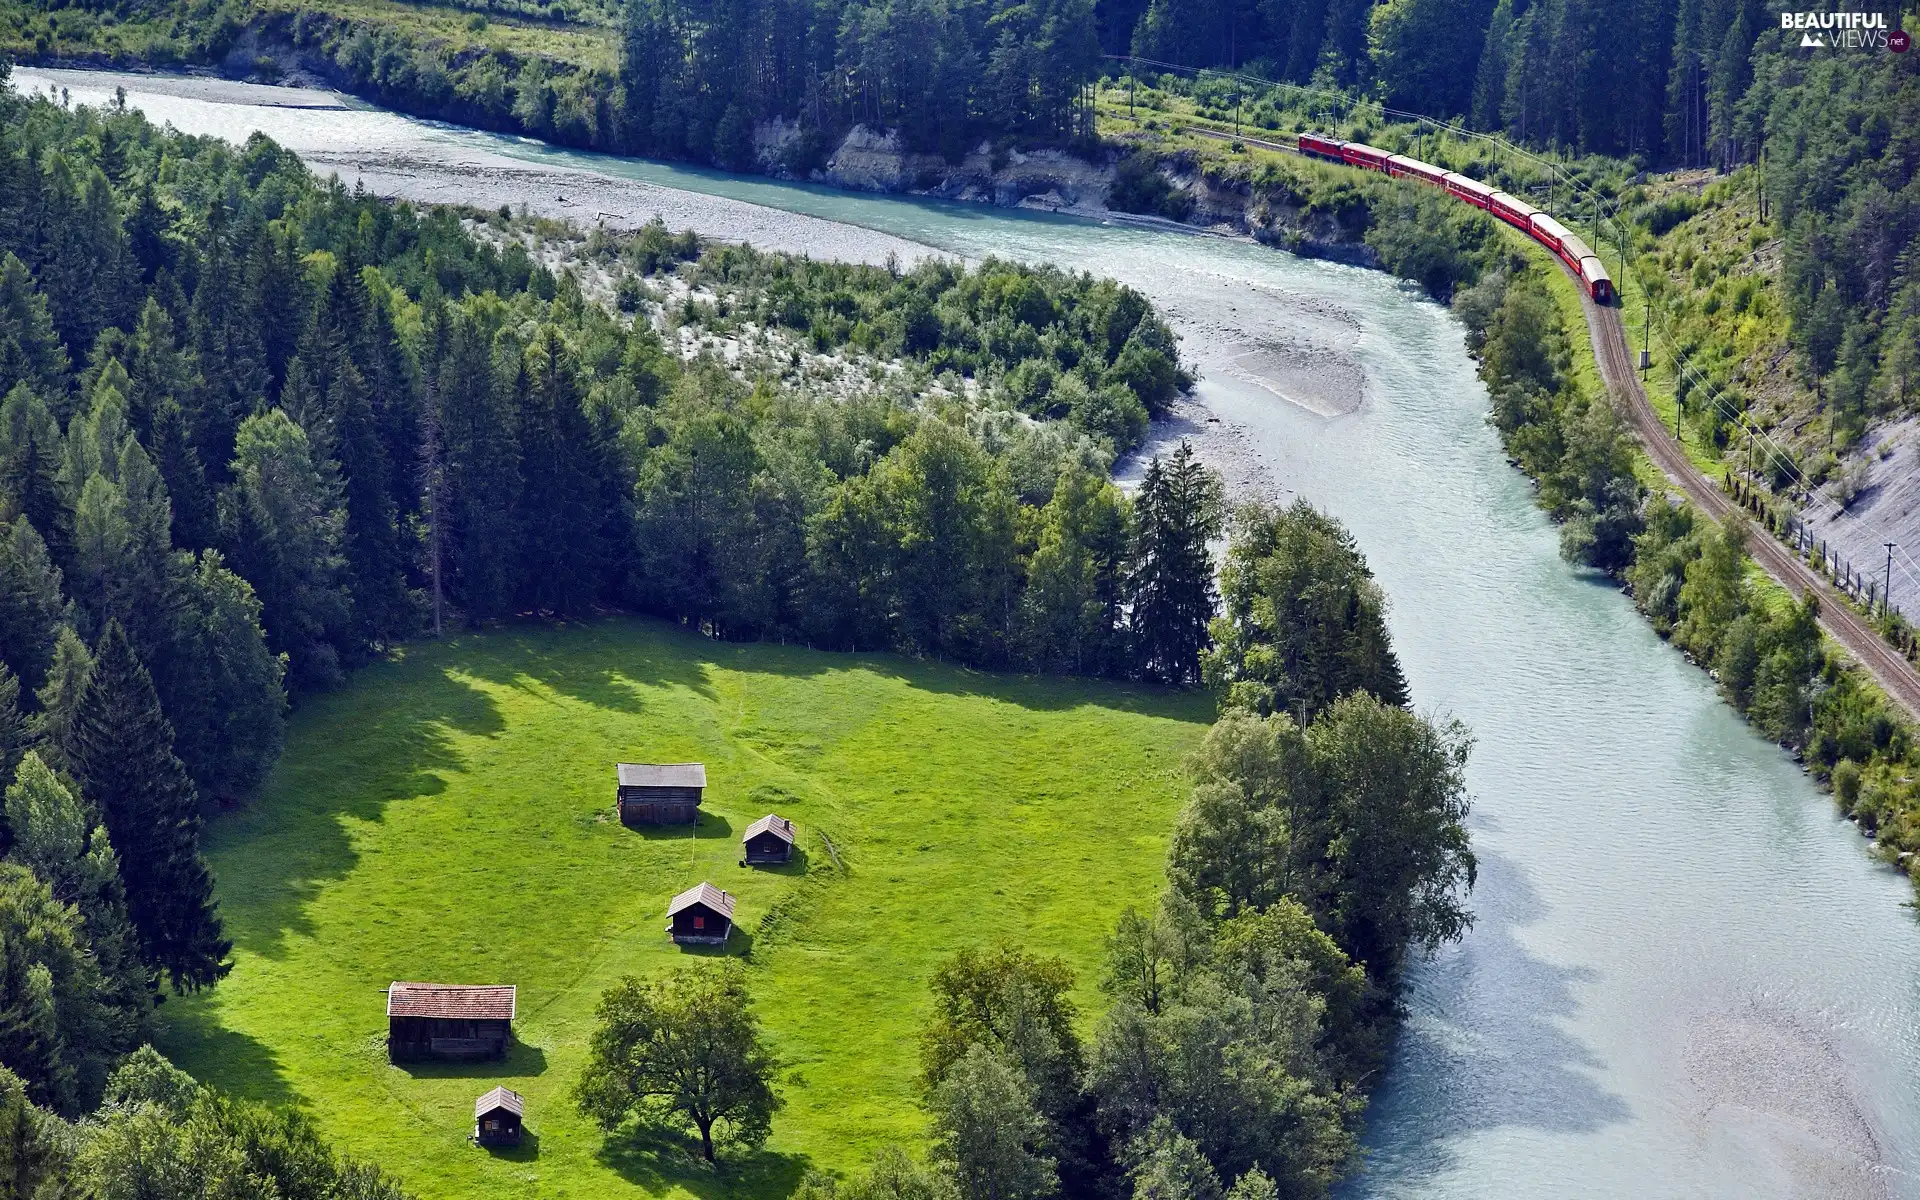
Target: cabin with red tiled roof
<point>448,1021</point>
<point>701,916</point>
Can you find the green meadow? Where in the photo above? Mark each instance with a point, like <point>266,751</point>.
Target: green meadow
<point>448,817</point>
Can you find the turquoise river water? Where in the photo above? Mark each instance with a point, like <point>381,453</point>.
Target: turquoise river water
<point>1687,977</point>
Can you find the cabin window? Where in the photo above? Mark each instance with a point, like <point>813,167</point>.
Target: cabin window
<point>699,922</point>
<point>492,1126</point>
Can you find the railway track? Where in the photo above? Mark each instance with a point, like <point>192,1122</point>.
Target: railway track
<point>1896,676</point>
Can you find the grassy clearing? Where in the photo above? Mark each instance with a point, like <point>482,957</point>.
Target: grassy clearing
<point>582,42</point>
<point>448,817</point>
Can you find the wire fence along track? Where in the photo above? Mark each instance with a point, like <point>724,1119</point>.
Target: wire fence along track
<point>1605,220</point>
<point>1890,668</point>
<point>1607,333</point>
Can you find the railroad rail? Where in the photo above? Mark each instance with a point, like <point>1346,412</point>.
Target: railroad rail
<point>1895,675</point>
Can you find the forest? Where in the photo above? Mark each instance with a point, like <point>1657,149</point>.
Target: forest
<point>773,85</point>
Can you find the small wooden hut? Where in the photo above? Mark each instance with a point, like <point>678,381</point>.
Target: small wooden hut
<point>701,916</point>
<point>660,793</point>
<point>496,1118</point>
<point>448,1021</point>
<point>768,840</point>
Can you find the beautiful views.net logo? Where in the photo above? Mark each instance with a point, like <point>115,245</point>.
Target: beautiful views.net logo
<point>1845,31</point>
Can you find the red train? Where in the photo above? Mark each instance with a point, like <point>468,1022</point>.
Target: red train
<point>1581,260</point>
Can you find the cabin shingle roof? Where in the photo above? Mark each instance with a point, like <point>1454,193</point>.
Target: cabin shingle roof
<point>703,893</point>
<point>662,774</point>
<point>461,1002</point>
<point>772,823</point>
<point>499,1098</point>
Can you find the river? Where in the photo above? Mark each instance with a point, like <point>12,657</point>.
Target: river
<point>1687,977</point>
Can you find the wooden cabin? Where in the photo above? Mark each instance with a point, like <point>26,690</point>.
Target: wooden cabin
<point>659,793</point>
<point>497,1116</point>
<point>701,916</point>
<point>448,1021</point>
<point>768,840</point>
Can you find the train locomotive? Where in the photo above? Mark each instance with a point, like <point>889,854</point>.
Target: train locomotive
<point>1563,242</point>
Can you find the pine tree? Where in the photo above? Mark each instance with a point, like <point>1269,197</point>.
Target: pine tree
<point>375,583</point>
<point>15,734</point>
<point>1178,512</point>
<point>157,369</point>
<point>31,608</point>
<point>560,528</point>
<point>30,349</point>
<point>121,750</point>
<point>482,454</point>
<point>59,697</point>
<point>226,693</point>
<point>195,523</point>
<point>31,451</point>
<point>53,835</point>
<point>1490,78</point>
<point>227,342</point>
<point>87,274</point>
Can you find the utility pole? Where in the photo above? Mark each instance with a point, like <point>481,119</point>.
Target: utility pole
<point>1886,594</point>
<point>1646,331</point>
<point>1130,79</point>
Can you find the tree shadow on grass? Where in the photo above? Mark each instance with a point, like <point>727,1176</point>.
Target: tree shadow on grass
<point>386,736</point>
<point>1037,693</point>
<point>243,1065</point>
<point>657,1159</point>
<point>603,663</point>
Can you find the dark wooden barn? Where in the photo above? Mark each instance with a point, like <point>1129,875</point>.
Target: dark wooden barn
<point>497,1116</point>
<point>701,916</point>
<point>768,840</point>
<point>448,1021</point>
<point>660,793</point>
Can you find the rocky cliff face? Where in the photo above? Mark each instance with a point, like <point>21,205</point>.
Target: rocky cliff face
<point>872,160</point>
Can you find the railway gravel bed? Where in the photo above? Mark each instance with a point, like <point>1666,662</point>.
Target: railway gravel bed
<point>1896,676</point>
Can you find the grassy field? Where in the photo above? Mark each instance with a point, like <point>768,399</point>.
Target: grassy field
<point>448,817</point>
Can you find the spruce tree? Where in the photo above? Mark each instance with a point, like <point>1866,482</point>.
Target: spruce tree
<point>31,452</point>
<point>15,734</point>
<point>375,582</point>
<point>30,349</point>
<point>560,527</point>
<point>31,609</point>
<point>482,455</point>
<point>121,751</point>
<point>1177,514</point>
<point>59,697</point>
<point>52,833</point>
<point>195,525</point>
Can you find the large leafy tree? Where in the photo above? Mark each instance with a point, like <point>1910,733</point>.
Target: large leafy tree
<point>120,748</point>
<point>1304,621</point>
<point>684,1049</point>
<point>987,1133</point>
